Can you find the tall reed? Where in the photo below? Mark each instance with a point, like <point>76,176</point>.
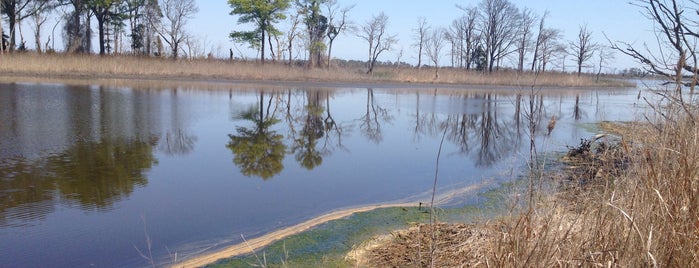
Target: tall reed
<point>640,216</point>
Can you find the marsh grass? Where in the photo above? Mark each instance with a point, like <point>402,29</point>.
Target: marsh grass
<point>92,66</point>
<point>631,202</point>
<point>643,215</point>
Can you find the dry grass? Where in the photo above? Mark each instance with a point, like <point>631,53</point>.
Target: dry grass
<point>508,78</point>
<point>644,213</point>
<point>92,66</point>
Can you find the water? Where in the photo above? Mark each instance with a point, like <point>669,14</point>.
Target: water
<point>90,175</point>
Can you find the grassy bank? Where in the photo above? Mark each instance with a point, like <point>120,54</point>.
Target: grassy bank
<point>92,66</point>
<point>633,203</point>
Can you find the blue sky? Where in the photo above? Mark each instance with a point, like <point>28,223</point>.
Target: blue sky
<point>618,19</point>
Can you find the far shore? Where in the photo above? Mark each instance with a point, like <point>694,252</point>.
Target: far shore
<point>92,69</point>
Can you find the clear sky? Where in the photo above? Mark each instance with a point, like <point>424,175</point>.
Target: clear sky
<point>618,19</point>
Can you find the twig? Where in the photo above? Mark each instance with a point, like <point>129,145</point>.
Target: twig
<point>149,244</point>
<point>434,190</point>
<point>263,264</point>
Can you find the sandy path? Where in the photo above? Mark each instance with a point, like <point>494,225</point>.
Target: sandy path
<point>265,240</point>
<point>262,241</point>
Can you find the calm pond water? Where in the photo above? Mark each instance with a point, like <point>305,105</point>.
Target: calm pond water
<point>88,175</point>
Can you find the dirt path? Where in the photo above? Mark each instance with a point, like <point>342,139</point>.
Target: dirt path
<point>265,240</point>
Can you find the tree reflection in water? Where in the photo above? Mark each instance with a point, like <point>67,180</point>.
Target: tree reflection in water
<point>371,121</point>
<point>99,174</point>
<point>481,130</point>
<point>304,146</point>
<point>92,175</point>
<point>320,134</point>
<point>258,151</point>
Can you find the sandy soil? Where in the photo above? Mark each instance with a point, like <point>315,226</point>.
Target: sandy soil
<point>260,242</point>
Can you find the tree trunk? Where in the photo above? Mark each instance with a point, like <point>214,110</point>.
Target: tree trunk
<point>271,47</point>
<point>88,34</point>
<point>175,49</point>
<point>579,69</point>
<point>2,40</point>
<point>419,56</point>
<point>290,54</point>
<point>330,49</point>
<point>13,35</point>
<point>100,28</point>
<point>262,48</point>
<point>37,38</point>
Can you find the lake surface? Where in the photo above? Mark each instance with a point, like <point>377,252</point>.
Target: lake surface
<point>90,175</point>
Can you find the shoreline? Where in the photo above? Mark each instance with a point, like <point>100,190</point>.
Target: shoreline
<point>252,245</point>
<point>149,82</point>
<point>92,67</point>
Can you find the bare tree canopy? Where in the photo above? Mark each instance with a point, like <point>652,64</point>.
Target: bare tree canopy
<point>17,11</point>
<point>582,49</point>
<point>676,24</point>
<point>433,46</point>
<point>379,41</point>
<point>499,19</point>
<point>548,48</point>
<point>468,37</point>
<point>176,13</point>
<point>420,37</point>
<point>337,23</point>
<point>527,19</point>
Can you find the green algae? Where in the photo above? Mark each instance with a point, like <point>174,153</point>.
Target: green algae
<point>327,244</point>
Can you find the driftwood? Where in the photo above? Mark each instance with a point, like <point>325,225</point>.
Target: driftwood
<point>595,160</point>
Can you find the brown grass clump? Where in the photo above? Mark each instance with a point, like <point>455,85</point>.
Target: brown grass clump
<point>507,78</point>
<point>130,67</point>
<point>642,213</point>
<point>458,245</point>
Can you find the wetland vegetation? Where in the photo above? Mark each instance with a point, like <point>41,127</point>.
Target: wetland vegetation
<point>125,159</point>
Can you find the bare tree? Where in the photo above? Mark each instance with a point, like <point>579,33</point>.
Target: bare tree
<point>540,39</point>
<point>420,36</point>
<point>676,30</point>
<point>16,11</point>
<point>456,35</point>
<point>176,14</point>
<point>291,34</point>
<point>605,56</point>
<point>499,20</point>
<point>39,17</point>
<point>336,25</point>
<point>469,33</point>
<point>550,48</point>
<point>526,21</point>
<point>433,46</point>
<point>379,41</point>
<point>582,49</point>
